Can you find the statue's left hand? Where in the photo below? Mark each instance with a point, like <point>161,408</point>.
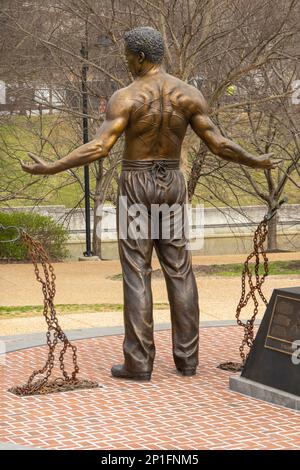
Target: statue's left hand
<point>37,168</point>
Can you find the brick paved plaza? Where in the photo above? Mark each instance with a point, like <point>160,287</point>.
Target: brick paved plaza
<point>170,412</point>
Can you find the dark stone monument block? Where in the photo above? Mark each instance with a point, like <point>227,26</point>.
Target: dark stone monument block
<point>274,359</point>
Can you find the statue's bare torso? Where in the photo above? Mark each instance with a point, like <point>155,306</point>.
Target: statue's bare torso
<point>158,117</point>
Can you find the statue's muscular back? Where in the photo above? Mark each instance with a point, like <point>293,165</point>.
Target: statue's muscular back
<point>158,118</point>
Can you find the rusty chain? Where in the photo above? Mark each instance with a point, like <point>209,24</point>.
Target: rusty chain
<point>259,238</point>
<point>39,381</point>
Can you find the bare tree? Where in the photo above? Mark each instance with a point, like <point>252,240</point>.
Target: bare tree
<point>268,125</point>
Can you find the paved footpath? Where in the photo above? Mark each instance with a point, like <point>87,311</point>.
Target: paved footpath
<point>170,412</point>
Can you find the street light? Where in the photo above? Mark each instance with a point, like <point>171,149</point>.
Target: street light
<point>84,70</point>
<point>102,40</point>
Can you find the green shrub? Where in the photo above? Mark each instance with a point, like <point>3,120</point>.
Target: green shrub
<point>52,235</point>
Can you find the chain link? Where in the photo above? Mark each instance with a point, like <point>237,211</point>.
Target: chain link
<point>39,381</point>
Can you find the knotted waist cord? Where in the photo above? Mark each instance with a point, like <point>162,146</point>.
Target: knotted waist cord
<point>157,167</point>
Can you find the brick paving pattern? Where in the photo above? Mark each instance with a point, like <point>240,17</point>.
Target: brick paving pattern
<point>170,412</point>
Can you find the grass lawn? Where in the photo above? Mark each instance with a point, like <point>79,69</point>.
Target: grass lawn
<point>62,309</point>
<point>225,270</point>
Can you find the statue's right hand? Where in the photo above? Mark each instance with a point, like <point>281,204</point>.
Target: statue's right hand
<point>38,168</point>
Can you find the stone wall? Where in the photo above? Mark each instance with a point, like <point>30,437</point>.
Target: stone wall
<point>213,230</point>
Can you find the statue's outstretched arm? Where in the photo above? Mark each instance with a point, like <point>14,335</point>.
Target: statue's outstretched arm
<point>115,122</point>
<point>220,145</point>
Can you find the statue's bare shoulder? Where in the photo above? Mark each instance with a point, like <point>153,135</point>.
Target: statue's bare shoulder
<point>119,103</point>
<point>189,98</point>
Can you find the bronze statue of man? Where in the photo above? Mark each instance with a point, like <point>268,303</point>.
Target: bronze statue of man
<point>154,112</point>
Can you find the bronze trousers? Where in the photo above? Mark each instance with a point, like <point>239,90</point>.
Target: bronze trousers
<point>154,183</point>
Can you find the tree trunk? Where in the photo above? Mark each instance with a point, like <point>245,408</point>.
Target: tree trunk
<point>98,211</point>
<point>272,234</point>
<point>196,169</point>
<point>103,182</point>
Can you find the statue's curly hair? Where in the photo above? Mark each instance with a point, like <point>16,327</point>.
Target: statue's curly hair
<point>147,40</point>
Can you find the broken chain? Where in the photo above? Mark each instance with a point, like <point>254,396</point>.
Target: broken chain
<point>39,381</point>
<point>259,238</point>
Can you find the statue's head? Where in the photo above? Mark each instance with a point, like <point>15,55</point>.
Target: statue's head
<point>143,44</point>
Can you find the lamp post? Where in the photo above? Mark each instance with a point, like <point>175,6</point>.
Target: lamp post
<point>84,70</point>
<point>103,40</point>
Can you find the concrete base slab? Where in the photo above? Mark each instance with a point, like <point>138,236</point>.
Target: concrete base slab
<point>9,446</point>
<point>88,258</point>
<point>263,392</point>
<point>32,340</point>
